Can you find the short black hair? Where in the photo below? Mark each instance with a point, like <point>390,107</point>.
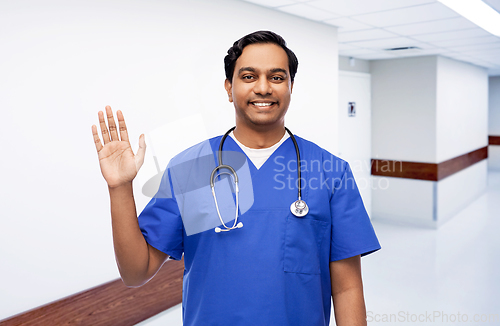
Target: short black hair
<point>235,51</point>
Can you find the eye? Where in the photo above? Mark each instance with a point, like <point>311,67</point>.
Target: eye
<point>247,77</point>
<point>277,78</point>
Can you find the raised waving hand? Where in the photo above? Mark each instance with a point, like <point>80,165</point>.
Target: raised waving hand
<point>118,163</point>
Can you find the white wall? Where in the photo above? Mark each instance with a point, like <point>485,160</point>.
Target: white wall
<point>427,203</point>
<point>158,62</point>
<point>494,106</point>
<point>360,65</point>
<point>462,108</point>
<point>428,109</point>
<point>462,127</point>
<point>404,109</point>
<point>355,132</point>
<point>407,201</point>
<point>494,122</point>
<point>457,191</point>
<point>494,157</point>
<point>404,129</point>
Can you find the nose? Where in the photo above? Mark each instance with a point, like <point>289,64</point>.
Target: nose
<point>263,87</point>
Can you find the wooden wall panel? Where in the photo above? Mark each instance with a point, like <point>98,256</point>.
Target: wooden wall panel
<point>461,162</point>
<point>404,169</point>
<point>494,140</point>
<point>427,171</point>
<point>111,303</point>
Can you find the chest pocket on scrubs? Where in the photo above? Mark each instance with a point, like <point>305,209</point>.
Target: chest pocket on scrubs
<point>303,238</point>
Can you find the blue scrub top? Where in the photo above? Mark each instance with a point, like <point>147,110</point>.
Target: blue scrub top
<point>274,270</point>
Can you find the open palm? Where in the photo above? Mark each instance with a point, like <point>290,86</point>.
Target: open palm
<point>118,163</point>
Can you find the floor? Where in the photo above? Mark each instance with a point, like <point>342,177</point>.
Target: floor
<point>449,276</point>
<point>438,277</point>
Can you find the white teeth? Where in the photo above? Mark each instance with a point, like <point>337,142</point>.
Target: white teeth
<point>261,104</point>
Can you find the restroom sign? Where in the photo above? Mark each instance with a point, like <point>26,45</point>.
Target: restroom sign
<point>351,109</point>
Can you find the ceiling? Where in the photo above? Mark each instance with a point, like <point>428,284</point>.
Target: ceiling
<point>367,28</point>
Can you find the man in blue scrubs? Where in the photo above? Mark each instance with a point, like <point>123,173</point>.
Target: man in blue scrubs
<point>278,269</point>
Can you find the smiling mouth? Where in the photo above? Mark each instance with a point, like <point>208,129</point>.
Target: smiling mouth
<point>263,104</point>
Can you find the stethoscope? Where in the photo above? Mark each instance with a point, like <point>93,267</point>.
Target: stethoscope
<point>298,208</point>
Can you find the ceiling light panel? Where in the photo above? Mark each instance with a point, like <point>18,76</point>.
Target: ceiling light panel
<point>371,34</point>
<point>477,12</point>
<point>358,7</point>
<point>303,10</point>
<point>417,14</point>
<point>436,26</point>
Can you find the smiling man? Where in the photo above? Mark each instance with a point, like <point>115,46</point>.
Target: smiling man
<point>285,258</point>
<point>260,86</point>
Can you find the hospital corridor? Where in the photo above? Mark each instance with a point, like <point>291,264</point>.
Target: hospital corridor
<point>385,144</point>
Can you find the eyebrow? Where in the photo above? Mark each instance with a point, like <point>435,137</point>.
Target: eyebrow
<point>251,69</point>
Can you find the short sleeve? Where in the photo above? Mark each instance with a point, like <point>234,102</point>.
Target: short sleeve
<point>352,231</point>
<point>160,221</point>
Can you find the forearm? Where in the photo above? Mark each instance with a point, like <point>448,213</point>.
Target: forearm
<point>131,249</point>
<point>349,307</point>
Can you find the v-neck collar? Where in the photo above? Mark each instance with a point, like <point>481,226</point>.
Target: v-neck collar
<point>259,154</point>
<point>253,168</point>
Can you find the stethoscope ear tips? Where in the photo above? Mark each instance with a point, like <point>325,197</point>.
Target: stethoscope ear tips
<point>239,225</point>
<point>217,230</point>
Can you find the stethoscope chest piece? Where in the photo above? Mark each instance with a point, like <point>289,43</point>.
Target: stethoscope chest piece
<point>299,208</point>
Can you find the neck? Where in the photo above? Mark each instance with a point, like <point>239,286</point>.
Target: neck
<point>260,137</point>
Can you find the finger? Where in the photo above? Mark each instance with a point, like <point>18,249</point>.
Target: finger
<point>97,141</point>
<point>139,157</point>
<point>104,129</point>
<point>123,127</point>
<point>111,123</point>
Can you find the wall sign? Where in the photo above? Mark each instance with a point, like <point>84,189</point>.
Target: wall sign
<point>351,109</point>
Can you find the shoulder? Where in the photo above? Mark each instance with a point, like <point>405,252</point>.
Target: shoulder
<point>312,151</point>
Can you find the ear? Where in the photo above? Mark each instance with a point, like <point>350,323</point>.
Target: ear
<point>291,88</point>
<point>229,89</point>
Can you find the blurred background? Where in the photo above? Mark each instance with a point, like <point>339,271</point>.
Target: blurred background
<point>407,91</point>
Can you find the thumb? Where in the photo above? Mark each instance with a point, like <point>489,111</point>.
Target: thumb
<point>141,152</point>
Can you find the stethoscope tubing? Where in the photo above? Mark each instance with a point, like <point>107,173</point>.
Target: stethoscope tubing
<point>221,165</point>
<point>299,208</point>
<point>298,162</point>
